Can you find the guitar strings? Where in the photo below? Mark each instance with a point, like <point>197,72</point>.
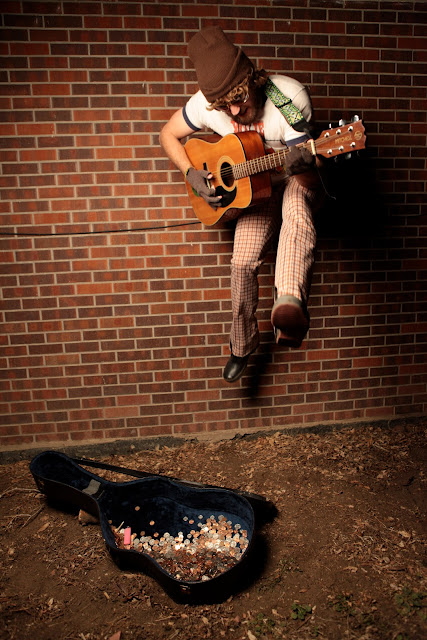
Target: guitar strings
<point>230,171</point>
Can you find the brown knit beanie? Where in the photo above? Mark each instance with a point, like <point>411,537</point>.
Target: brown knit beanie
<point>219,64</point>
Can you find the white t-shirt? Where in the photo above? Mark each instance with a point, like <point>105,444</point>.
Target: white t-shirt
<point>273,126</point>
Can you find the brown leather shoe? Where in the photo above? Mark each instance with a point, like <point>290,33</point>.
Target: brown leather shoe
<point>290,321</point>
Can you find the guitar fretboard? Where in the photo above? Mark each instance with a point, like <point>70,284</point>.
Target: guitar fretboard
<point>257,165</point>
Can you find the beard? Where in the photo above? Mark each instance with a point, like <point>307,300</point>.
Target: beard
<point>251,113</point>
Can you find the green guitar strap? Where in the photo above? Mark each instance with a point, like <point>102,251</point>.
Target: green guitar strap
<point>286,107</point>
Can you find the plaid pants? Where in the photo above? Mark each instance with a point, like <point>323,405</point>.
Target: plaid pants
<point>255,230</point>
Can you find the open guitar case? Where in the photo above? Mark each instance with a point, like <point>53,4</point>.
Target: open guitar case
<point>155,503</point>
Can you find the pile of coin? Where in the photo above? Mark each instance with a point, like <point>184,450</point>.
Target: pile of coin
<point>210,547</point>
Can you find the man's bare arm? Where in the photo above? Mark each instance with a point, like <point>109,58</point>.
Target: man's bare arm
<point>170,139</point>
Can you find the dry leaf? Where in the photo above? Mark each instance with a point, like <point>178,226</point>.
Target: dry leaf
<point>87,518</point>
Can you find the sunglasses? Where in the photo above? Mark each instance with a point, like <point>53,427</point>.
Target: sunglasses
<point>239,99</point>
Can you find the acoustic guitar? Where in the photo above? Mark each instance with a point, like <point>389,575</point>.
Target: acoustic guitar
<point>240,166</point>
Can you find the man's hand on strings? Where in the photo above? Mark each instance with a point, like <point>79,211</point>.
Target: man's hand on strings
<point>198,179</point>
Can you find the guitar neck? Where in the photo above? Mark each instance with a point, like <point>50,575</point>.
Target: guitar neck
<point>267,162</point>
<point>330,143</point>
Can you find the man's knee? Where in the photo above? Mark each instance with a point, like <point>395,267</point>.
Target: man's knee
<point>245,265</point>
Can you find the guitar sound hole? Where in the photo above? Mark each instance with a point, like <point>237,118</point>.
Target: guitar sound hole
<point>227,174</point>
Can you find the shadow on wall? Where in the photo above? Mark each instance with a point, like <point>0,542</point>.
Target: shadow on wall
<point>355,207</point>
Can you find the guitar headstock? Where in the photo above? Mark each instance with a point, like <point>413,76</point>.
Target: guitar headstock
<point>341,140</point>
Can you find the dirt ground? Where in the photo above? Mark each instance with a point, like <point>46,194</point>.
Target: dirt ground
<point>342,558</point>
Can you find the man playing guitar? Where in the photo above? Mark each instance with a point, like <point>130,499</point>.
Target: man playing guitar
<point>232,99</point>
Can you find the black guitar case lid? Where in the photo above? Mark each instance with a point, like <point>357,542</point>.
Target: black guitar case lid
<point>154,505</point>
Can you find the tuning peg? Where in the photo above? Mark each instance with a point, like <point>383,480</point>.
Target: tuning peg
<point>341,123</point>
<point>355,119</point>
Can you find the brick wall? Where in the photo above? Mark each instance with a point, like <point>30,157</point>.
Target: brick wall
<point>110,333</point>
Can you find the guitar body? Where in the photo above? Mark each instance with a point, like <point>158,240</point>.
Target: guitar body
<point>240,166</point>
<point>219,158</point>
